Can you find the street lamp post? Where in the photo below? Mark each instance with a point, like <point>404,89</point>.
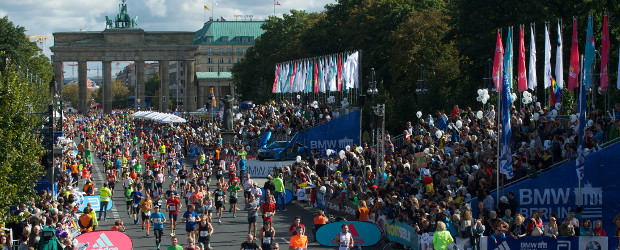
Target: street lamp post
<point>379,111</point>
<point>372,91</point>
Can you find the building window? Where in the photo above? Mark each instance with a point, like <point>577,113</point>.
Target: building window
<point>210,69</point>
<point>238,51</point>
<point>228,69</point>
<point>238,59</point>
<point>221,51</point>
<point>209,39</point>
<point>229,60</point>
<point>210,51</point>
<point>228,51</point>
<point>225,39</point>
<point>221,60</point>
<point>220,69</point>
<point>210,60</point>
<point>245,50</point>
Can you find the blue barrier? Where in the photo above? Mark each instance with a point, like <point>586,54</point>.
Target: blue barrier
<point>557,190</point>
<point>364,233</point>
<point>95,202</point>
<point>562,243</point>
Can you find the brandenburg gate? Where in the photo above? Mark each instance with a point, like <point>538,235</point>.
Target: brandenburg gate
<point>122,41</point>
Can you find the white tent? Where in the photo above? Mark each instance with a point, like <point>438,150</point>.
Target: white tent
<point>158,117</point>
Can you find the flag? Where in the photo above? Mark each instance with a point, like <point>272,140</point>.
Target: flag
<point>555,94</point>
<point>573,70</point>
<point>559,70</point>
<point>506,101</point>
<point>581,156</point>
<point>316,77</point>
<point>276,2</point>
<point>605,55</point>
<point>350,70</point>
<point>333,73</point>
<point>322,74</point>
<point>207,8</point>
<point>339,68</point>
<point>508,57</point>
<point>590,53</point>
<point>309,76</point>
<point>547,79</point>
<point>497,61</point>
<point>293,75</point>
<point>532,81</point>
<point>275,81</point>
<point>222,18</point>
<point>522,75</point>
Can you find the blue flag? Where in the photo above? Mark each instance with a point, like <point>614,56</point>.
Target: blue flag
<point>581,156</point>
<point>590,53</point>
<point>506,101</point>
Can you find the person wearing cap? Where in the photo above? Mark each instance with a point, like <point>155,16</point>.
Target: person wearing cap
<point>89,187</point>
<point>233,189</point>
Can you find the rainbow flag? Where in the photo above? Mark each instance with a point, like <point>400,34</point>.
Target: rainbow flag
<point>206,8</point>
<point>555,93</point>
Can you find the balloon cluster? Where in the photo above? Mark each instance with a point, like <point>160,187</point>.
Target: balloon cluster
<point>331,99</point>
<point>344,102</point>
<point>527,98</point>
<point>419,114</point>
<point>483,96</point>
<point>574,117</point>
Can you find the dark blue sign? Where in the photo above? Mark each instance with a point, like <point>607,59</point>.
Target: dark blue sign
<point>557,190</point>
<point>44,184</point>
<point>548,243</point>
<point>336,134</point>
<point>364,233</point>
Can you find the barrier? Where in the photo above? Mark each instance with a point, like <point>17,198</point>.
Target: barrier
<point>102,240</point>
<point>364,233</point>
<point>263,168</point>
<point>95,202</point>
<point>401,233</point>
<point>547,243</point>
<point>334,206</point>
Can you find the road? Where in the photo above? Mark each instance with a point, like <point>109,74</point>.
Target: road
<point>228,235</point>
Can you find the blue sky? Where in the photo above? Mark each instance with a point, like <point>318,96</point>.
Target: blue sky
<point>41,17</point>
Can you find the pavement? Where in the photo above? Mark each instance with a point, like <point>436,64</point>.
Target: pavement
<point>228,235</point>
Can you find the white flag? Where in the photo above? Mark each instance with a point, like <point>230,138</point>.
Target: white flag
<point>559,72</point>
<point>547,77</point>
<point>532,81</point>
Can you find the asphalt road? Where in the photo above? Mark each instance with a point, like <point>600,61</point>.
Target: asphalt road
<point>228,235</point>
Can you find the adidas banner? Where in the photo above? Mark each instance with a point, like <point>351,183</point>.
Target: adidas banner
<point>103,240</point>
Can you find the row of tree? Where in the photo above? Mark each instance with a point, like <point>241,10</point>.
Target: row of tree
<point>24,100</point>
<point>453,39</point>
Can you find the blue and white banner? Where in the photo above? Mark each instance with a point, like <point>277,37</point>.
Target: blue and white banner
<point>363,233</point>
<point>547,243</point>
<point>557,190</point>
<point>336,134</point>
<point>95,202</point>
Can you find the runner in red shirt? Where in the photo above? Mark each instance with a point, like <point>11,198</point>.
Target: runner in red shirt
<point>232,179</point>
<point>268,209</point>
<point>173,205</point>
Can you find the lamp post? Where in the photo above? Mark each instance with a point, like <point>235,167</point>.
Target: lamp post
<point>421,89</point>
<point>372,91</point>
<point>379,111</point>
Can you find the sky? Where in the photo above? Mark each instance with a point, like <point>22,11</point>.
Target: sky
<point>41,17</point>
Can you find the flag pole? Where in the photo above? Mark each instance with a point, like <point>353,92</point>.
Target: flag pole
<point>499,97</point>
<point>581,88</point>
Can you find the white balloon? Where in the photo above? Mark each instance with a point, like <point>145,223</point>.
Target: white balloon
<point>426,151</point>
<point>322,189</point>
<point>537,104</point>
<point>480,92</point>
<point>554,112</point>
<point>558,106</point>
<point>513,96</point>
<point>419,114</point>
<point>590,123</point>
<point>487,96</point>
<point>484,101</point>
<point>573,118</point>
<point>524,100</point>
<point>341,154</point>
<point>459,124</point>
<point>578,115</point>
<point>347,148</point>
<point>298,159</point>
<point>486,92</point>
<point>478,99</point>
<point>479,114</point>
<point>329,152</point>
<point>438,134</point>
<point>536,116</point>
<point>360,150</point>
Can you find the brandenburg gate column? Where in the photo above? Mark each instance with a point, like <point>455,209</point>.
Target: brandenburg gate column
<point>164,89</point>
<point>58,76</point>
<point>82,88</point>
<point>107,87</point>
<point>190,88</point>
<point>140,88</point>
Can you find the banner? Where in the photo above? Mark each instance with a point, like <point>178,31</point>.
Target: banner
<point>258,169</point>
<point>335,134</point>
<point>402,233</point>
<point>557,190</point>
<point>95,202</point>
<point>233,157</point>
<point>364,233</point>
<point>103,240</point>
<point>548,243</point>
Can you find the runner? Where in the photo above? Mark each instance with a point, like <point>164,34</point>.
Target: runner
<point>128,199</point>
<point>248,184</point>
<point>111,178</point>
<point>267,235</point>
<point>145,209</point>
<point>208,201</point>
<point>205,230</point>
<point>158,220</point>
<point>344,239</point>
<point>175,242</point>
<point>299,241</point>
<point>233,189</point>
<point>268,209</point>
<point>173,205</point>
<point>220,196</point>
<point>252,208</point>
<point>190,218</point>
<point>249,244</point>
<point>136,197</point>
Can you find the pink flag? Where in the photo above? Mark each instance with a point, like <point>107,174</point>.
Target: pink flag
<point>497,61</point>
<point>339,77</point>
<point>573,70</point>
<point>275,81</point>
<point>522,75</point>
<point>605,55</point>
<point>316,77</point>
<point>293,75</point>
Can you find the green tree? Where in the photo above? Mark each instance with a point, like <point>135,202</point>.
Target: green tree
<point>20,150</point>
<point>152,91</point>
<point>70,94</point>
<point>119,91</point>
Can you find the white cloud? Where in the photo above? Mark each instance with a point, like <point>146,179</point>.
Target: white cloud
<point>157,7</point>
